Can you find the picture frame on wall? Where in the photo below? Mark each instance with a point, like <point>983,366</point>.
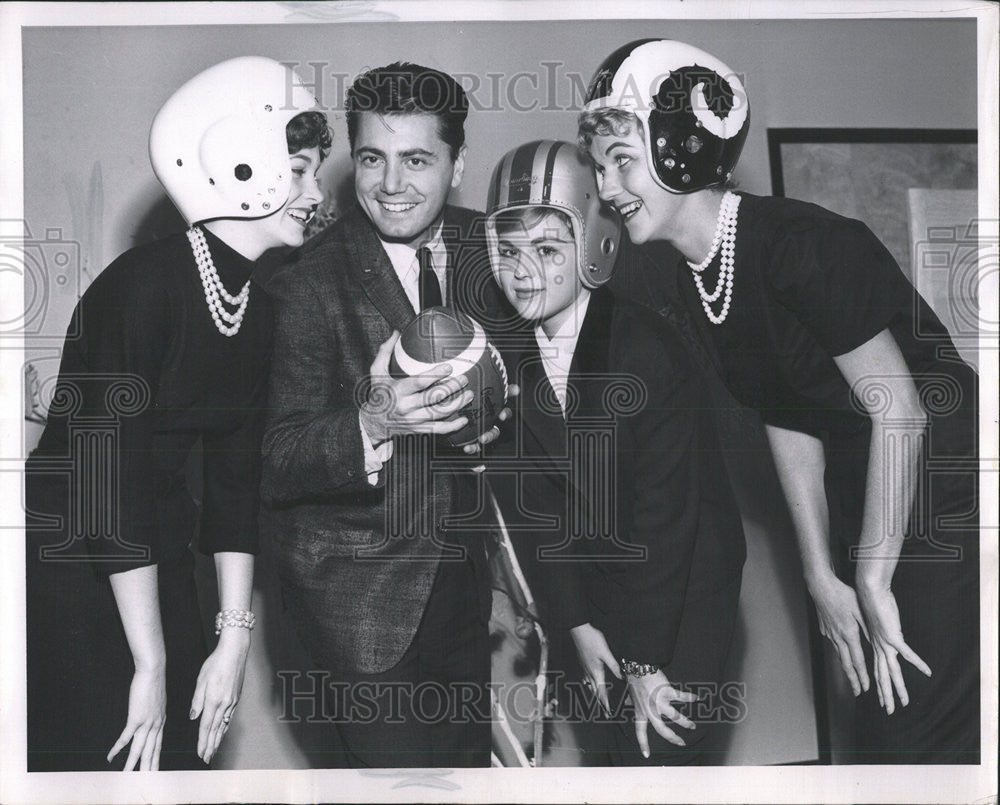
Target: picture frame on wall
<point>917,190</point>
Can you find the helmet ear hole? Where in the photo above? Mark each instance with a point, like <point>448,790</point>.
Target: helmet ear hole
<point>243,172</point>
<point>607,246</point>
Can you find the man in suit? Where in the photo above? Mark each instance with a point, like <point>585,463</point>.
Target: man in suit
<point>641,559</point>
<point>370,513</point>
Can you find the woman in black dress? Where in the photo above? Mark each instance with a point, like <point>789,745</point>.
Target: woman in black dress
<point>169,348</point>
<point>870,414</point>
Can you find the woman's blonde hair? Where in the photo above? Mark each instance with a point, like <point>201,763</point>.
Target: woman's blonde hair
<point>526,217</point>
<point>602,122</point>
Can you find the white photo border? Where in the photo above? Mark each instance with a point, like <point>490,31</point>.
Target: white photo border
<point>720,784</point>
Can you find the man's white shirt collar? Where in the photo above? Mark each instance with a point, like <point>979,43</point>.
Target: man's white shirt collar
<point>404,262</point>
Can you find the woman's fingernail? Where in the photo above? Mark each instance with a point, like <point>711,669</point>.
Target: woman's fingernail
<point>645,753</point>
<point>192,714</point>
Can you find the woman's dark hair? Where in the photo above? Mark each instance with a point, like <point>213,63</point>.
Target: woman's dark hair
<point>404,88</point>
<point>309,130</point>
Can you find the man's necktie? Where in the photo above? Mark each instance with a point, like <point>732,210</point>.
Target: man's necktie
<point>430,288</point>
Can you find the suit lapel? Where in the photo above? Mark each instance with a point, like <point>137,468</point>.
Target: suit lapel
<point>375,273</point>
<point>465,248</point>
<point>450,236</point>
<point>539,406</point>
<point>588,373</point>
<point>378,279</point>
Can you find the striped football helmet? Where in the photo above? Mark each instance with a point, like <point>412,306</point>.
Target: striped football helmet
<point>550,173</point>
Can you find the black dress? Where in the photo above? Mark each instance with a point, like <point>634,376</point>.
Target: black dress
<point>144,377</point>
<point>810,285</point>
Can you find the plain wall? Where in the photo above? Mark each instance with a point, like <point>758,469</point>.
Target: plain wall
<point>90,94</point>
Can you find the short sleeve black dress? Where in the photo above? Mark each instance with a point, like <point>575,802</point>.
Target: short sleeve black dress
<point>145,376</point>
<point>810,285</point>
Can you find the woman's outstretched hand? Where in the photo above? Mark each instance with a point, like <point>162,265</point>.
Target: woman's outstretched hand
<point>841,622</point>
<point>147,713</point>
<point>220,682</point>
<point>653,696</point>
<point>882,615</point>
<point>595,656</point>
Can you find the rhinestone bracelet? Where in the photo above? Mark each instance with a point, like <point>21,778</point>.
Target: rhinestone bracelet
<point>241,618</point>
<point>631,668</point>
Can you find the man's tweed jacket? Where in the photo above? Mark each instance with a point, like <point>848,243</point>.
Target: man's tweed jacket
<point>357,561</point>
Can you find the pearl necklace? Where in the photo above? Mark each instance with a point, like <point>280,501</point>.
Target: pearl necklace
<point>724,240</point>
<point>215,293</point>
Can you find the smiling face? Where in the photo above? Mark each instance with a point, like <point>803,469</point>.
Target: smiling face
<point>403,172</point>
<point>537,269</point>
<point>287,226</point>
<point>624,180</point>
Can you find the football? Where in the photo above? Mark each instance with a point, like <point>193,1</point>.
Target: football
<point>442,335</point>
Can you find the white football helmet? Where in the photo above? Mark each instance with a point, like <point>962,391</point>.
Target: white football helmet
<point>218,144</point>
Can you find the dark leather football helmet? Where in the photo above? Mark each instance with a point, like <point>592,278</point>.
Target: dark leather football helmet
<point>694,109</point>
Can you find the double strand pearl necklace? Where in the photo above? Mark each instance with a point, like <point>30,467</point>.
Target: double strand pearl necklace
<point>215,293</point>
<point>724,241</point>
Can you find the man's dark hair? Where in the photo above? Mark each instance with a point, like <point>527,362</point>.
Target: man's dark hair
<point>404,88</point>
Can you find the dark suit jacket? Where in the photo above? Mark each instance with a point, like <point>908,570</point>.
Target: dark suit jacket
<point>357,561</point>
<point>638,501</point>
